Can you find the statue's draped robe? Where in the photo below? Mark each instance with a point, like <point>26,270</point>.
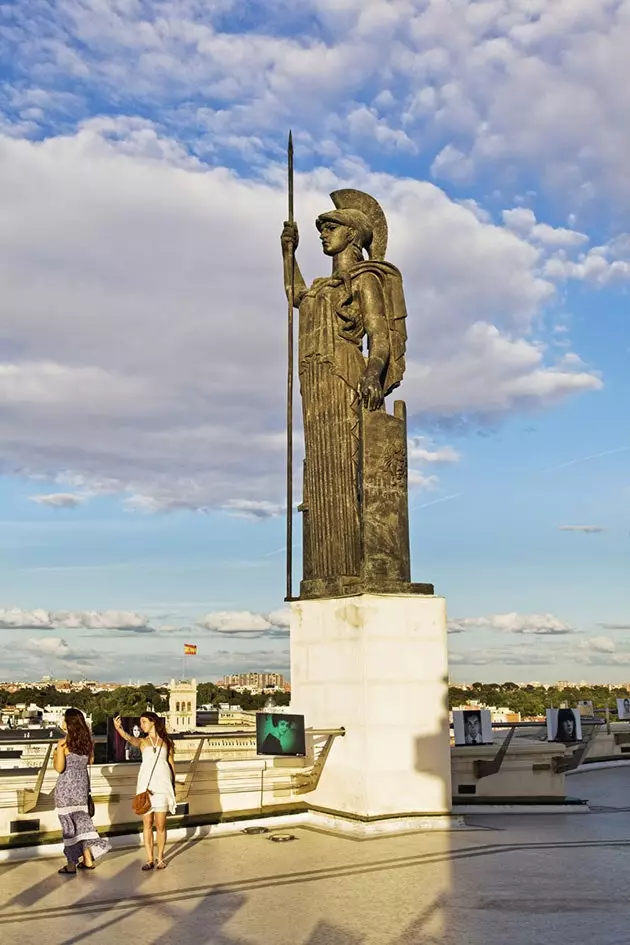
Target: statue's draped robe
<point>331,366</point>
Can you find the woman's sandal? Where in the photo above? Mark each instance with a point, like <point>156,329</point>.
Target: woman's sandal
<point>161,865</point>
<point>64,871</point>
<point>82,866</point>
<point>148,866</point>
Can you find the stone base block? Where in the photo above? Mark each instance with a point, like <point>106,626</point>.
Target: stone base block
<point>377,665</point>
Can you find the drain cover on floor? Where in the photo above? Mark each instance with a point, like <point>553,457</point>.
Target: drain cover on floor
<point>256,830</point>
<point>282,837</point>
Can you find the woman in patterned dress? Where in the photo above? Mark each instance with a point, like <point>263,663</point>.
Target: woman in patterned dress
<point>73,754</point>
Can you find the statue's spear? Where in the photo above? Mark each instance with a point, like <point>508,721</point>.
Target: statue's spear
<point>290,387</point>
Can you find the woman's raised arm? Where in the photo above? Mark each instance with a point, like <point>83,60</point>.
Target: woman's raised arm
<point>136,742</point>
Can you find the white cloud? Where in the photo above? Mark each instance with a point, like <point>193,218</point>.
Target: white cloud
<point>50,646</point>
<point>24,619</point>
<point>45,649</point>
<point>523,221</point>
<point>420,450</point>
<point>602,644</point>
<point>418,480</point>
<point>246,623</point>
<point>188,412</point>
<point>280,618</point>
<point>461,86</point>
<point>587,529</point>
<point>248,508</point>
<point>526,624</point>
<point>60,500</point>
<point>75,620</point>
<point>504,656</point>
<point>238,661</point>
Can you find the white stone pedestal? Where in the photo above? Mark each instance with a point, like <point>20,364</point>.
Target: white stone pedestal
<point>377,665</point>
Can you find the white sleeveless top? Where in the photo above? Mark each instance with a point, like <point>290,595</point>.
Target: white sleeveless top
<point>159,783</point>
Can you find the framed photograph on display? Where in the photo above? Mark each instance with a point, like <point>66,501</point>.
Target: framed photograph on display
<point>118,750</point>
<point>585,708</point>
<point>278,733</point>
<point>564,725</point>
<point>472,727</point>
<point>623,709</point>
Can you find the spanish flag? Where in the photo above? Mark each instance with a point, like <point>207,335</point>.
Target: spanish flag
<point>190,649</point>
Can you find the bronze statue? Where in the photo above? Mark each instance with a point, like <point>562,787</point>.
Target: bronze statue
<point>355,516</point>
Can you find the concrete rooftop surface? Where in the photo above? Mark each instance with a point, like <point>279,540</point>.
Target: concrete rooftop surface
<point>504,880</point>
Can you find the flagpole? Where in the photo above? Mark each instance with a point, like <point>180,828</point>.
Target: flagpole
<point>291,298</point>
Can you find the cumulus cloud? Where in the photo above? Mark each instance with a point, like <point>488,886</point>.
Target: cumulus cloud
<point>400,76</point>
<point>526,624</point>
<point>129,621</point>
<point>56,649</point>
<point>420,450</point>
<point>154,419</point>
<point>504,656</point>
<point>59,500</point>
<point>238,661</point>
<point>247,623</point>
<point>249,508</point>
<point>601,644</point>
<point>522,220</point>
<point>587,529</point>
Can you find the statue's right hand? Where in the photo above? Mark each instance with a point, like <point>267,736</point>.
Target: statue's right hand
<point>289,237</point>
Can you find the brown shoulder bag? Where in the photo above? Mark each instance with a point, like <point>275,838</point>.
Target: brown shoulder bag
<point>141,804</point>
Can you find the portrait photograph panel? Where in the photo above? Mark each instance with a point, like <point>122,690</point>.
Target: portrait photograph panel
<point>472,727</point>
<point>623,709</point>
<point>118,750</point>
<point>280,734</point>
<point>564,725</point>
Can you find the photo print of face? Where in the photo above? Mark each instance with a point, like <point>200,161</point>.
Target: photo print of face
<point>280,734</point>
<point>564,725</point>
<point>623,709</point>
<point>472,728</point>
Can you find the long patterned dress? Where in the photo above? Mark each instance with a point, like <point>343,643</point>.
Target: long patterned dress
<point>331,365</point>
<point>71,802</point>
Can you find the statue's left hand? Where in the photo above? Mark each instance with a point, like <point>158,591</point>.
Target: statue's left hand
<point>371,391</point>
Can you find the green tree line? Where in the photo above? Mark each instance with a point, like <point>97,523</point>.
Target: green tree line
<point>132,700</point>
<point>533,700</point>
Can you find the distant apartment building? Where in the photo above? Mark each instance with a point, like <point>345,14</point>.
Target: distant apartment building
<point>61,685</point>
<point>254,681</point>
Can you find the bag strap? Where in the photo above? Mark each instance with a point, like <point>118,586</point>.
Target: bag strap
<point>157,756</point>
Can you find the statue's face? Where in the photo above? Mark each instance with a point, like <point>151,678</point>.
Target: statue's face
<point>335,238</point>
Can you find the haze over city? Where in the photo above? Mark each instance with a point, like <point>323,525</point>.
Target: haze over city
<point>142,347</point>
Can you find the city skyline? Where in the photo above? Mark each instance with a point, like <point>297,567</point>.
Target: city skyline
<point>142,354</point>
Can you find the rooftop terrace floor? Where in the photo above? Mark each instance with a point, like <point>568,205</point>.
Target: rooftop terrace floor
<point>505,880</point>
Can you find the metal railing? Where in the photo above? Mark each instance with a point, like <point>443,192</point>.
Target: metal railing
<point>304,780</point>
<point>484,768</point>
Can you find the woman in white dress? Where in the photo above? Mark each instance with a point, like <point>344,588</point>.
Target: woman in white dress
<point>157,774</point>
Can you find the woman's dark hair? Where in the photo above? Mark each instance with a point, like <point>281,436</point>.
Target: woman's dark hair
<point>160,728</point>
<point>78,739</point>
<point>276,719</point>
<point>566,715</point>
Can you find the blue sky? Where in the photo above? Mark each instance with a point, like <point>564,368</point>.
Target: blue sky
<point>142,335</point>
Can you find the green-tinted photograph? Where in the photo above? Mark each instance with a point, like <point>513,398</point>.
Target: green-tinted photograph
<point>280,734</point>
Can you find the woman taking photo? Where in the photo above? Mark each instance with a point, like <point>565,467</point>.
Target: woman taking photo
<point>73,754</point>
<point>157,775</point>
